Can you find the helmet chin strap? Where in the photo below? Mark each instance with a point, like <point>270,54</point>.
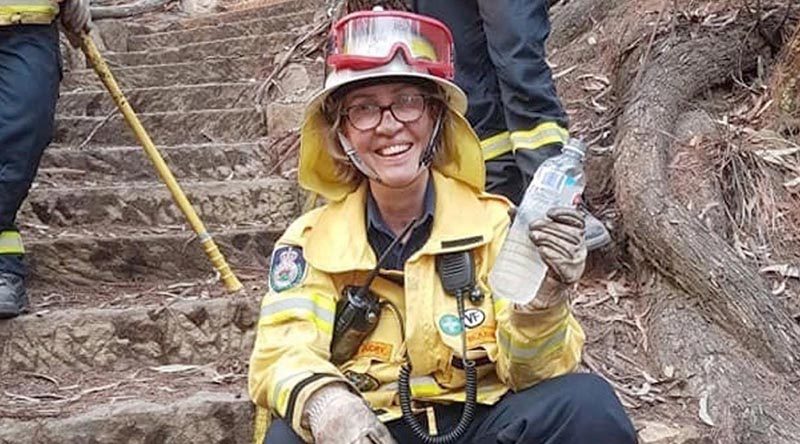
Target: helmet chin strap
<point>356,160</point>
<point>425,159</point>
<point>430,150</point>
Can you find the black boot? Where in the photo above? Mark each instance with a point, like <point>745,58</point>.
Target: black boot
<point>13,299</point>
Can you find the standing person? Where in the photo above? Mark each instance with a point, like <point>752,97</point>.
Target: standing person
<point>513,104</point>
<point>30,73</point>
<point>379,307</point>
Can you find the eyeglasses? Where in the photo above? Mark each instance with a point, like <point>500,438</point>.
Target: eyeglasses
<point>406,109</point>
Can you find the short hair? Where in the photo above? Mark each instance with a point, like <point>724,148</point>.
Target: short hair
<point>332,110</point>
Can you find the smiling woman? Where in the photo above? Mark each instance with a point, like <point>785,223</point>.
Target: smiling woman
<point>379,304</point>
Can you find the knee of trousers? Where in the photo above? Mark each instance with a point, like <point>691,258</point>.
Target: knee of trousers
<point>280,433</point>
<point>592,404</point>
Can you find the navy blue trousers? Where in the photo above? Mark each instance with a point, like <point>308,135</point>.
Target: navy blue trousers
<point>500,61</point>
<point>30,73</point>
<point>577,408</point>
<point>500,64</point>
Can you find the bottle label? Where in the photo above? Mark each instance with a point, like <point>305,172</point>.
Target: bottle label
<point>552,180</point>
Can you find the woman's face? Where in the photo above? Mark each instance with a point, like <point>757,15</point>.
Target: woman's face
<point>392,148</point>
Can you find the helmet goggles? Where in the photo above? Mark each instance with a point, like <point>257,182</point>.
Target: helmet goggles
<point>370,39</point>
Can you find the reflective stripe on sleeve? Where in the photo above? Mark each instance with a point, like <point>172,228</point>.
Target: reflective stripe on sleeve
<point>314,308</point>
<point>544,134</point>
<point>11,243</point>
<point>519,351</point>
<point>496,145</point>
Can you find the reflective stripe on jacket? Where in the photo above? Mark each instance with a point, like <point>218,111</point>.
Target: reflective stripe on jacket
<point>27,12</point>
<point>11,242</point>
<point>513,350</point>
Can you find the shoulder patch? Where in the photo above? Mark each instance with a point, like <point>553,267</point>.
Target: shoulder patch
<point>287,268</point>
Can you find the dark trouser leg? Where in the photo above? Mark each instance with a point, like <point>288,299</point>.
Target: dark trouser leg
<point>529,161</point>
<point>475,73</point>
<point>503,176</point>
<point>578,408</point>
<point>280,433</point>
<point>30,73</point>
<point>516,32</point>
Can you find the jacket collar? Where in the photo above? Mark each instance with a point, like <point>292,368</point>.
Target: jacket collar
<point>338,243</point>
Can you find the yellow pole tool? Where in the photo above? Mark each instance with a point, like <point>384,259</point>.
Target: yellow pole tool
<point>211,249</point>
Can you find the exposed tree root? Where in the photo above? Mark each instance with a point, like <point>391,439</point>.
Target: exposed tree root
<point>714,284</point>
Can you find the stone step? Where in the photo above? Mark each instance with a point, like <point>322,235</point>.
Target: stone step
<point>271,10</point>
<point>162,99</point>
<point>265,45</point>
<point>91,255</point>
<point>250,25</point>
<point>165,128</point>
<point>67,340</point>
<point>191,415</point>
<point>270,201</point>
<point>65,167</point>
<point>235,69</point>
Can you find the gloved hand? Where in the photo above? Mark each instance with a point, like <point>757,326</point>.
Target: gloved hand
<point>562,246</point>
<point>76,16</point>
<point>561,243</point>
<point>337,416</point>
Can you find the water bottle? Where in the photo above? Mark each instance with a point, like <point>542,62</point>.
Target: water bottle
<point>519,270</point>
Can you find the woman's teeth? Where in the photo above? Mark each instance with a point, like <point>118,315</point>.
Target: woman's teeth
<point>393,150</point>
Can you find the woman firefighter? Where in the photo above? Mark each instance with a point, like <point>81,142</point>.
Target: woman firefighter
<point>379,325</point>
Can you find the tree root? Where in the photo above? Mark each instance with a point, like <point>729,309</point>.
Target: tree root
<point>714,283</point>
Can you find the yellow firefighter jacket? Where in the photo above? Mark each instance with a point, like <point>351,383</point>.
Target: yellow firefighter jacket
<point>27,12</point>
<point>513,349</point>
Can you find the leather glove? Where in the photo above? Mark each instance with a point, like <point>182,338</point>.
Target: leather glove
<point>337,416</point>
<point>561,243</point>
<point>562,246</point>
<point>76,16</point>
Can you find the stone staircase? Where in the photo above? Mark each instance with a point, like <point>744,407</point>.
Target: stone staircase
<point>131,338</point>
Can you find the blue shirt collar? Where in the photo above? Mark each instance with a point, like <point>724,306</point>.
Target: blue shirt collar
<point>380,235</point>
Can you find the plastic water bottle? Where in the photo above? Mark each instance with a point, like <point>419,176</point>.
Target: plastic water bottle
<point>519,269</point>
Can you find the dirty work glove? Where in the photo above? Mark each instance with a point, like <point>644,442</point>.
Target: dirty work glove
<point>561,243</point>
<point>76,16</point>
<point>337,416</point>
<point>562,246</point>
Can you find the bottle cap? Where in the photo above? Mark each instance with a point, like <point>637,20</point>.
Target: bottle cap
<point>575,145</point>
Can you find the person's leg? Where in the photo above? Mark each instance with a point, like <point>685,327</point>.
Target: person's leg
<point>476,75</point>
<point>578,408</point>
<point>503,176</point>
<point>280,433</point>
<point>516,32</point>
<point>30,73</point>
<point>446,417</point>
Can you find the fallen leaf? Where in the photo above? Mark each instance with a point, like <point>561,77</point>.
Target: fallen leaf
<point>649,378</point>
<point>645,389</point>
<point>175,368</point>
<point>785,270</point>
<point>669,371</point>
<point>704,416</point>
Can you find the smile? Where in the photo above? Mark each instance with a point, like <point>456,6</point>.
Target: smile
<point>394,150</point>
